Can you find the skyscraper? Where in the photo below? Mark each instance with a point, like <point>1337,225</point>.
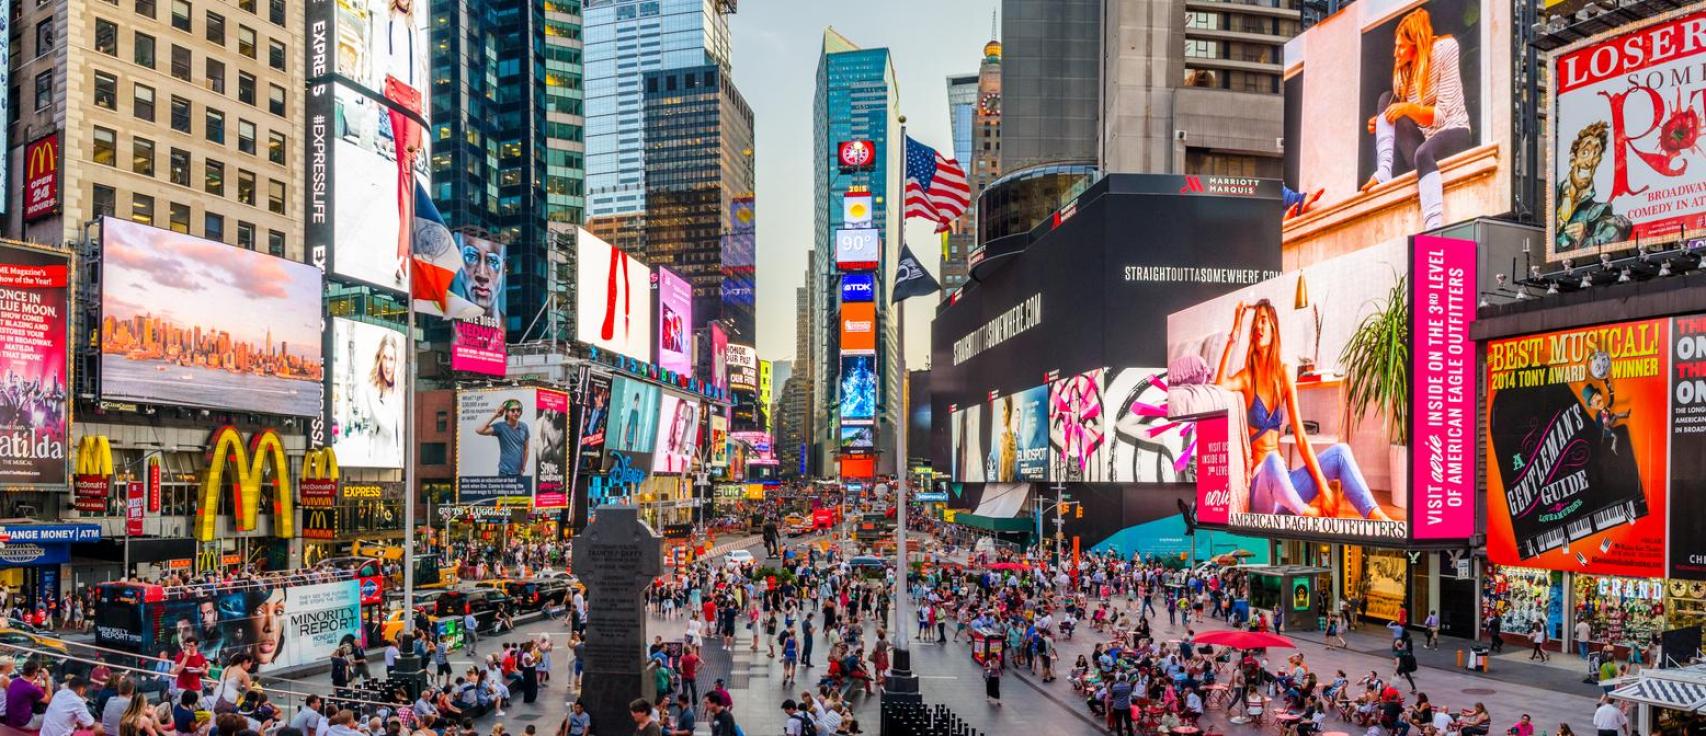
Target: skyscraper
<point>1052,50</point>
<point>974,109</point>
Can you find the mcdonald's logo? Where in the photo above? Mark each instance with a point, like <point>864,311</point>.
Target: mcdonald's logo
<point>318,487</point>
<point>249,464</point>
<point>41,177</point>
<point>94,455</point>
<point>91,482</point>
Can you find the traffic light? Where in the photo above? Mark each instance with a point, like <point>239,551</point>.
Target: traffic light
<point>1078,512</point>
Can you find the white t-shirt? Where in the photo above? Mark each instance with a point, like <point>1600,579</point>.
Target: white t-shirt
<point>66,714</point>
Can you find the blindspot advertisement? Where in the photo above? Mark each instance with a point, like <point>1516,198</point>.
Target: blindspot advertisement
<point>34,428</point>
<point>1021,441</point>
<point>1578,430</point>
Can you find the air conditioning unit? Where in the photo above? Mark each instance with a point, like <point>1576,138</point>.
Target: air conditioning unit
<point>1181,134</point>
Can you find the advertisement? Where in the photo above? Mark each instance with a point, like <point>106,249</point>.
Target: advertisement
<point>294,626</point>
<point>34,426</point>
<point>367,397</point>
<point>279,627</point>
<point>1213,484</point>
<point>1143,446</point>
<point>1078,446</point>
<point>496,451</point>
<point>858,287</point>
<point>858,249</point>
<point>678,437</point>
<point>551,490</point>
<point>719,357</point>
<point>1625,156</point>
<point>1421,93</point>
<point>743,367</point>
<point>858,438</point>
<point>1578,428</point>
<point>858,389</point>
<point>1442,388</point>
<point>476,288</point>
<point>766,395</point>
<point>967,435</point>
<point>719,441</point>
<point>1687,445</point>
<point>675,322</point>
<point>633,416</point>
<point>856,155</point>
<point>858,328</point>
<point>612,298</point>
<point>375,204</point>
<point>756,446</point>
<point>1281,360</point>
<point>41,174</point>
<point>856,210</point>
<point>594,415</point>
<point>478,347</point>
<point>258,351</point>
<point>1021,436</point>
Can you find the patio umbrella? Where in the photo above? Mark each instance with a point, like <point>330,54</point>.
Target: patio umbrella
<point>1008,566</point>
<point>1245,640</point>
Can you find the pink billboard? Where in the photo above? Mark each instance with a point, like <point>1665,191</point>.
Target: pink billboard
<point>719,357</point>
<point>551,490</point>
<point>1214,480</point>
<point>477,346</point>
<point>675,322</point>
<point>1442,388</point>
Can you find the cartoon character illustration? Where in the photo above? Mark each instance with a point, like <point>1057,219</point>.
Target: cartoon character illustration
<point>1599,404</point>
<point>1581,221</point>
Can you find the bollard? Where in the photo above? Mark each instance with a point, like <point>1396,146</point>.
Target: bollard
<point>1460,659</point>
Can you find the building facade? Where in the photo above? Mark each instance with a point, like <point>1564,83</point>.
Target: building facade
<point>1053,57</point>
<point>977,146</point>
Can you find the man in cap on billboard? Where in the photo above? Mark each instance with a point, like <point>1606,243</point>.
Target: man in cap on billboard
<point>512,434</point>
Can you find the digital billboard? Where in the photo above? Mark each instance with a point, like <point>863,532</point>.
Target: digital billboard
<point>1420,91</point>
<point>593,418</point>
<point>968,441</point>
<point>766,395</point>
<point>1142,445</point>
<point>1625,125</point>
<point>856,209</point>
<point>477,346</point>
<point>859,437</point>
<point>496,448</point>
<point>858,287</point>
<point>1020,434</point>
<point>858,249</point>
<point>612,298</point>
<point>374,204</point>
<point>858,328</point>
<point>675,322</point>
<point>743,367</point>
<point>633,417</point>
<point>476,285</point>
<point>756,446</point>
<point>41,171</point>
<point>719,440</point>
<point>858,389</point>
<point>259,350</point>
<point>34,424</point>
<point>367,394</point>
<point>719,357</point>
<point>551,486</point>
<point>678,434</point>
<point>1078,442</point>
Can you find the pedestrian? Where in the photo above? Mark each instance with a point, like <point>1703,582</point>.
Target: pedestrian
<point>1609,719</point>
<point>1333,624</point>
<point>1496,631</point>
<point>1584,636</point>
<point>1405,662</point>
<point>806,635</point>
<point>790,653</point>
<point>1537,637</point>
<point>644,724</point>
<point>1431,623</point>
<point>992,681</point>
<point>470,634</point>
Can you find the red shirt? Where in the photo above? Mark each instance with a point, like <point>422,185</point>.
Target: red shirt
<point>195,665</point>
<point>690,665</point>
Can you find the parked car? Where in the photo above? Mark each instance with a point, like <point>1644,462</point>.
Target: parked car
<point>484,603</point>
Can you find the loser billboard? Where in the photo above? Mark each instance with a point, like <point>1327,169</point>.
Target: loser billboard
<point>675,322</point>
<point>612,298</point>
<point>34,424</point>
<point>367,394</point>
<point>259,350</point>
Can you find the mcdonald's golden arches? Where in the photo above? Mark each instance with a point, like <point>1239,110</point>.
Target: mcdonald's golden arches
<point>249,463</point>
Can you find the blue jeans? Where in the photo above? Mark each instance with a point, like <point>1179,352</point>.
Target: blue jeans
<point>1276,489</point>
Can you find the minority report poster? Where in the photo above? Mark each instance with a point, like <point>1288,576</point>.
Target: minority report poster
<point>34,293</point>
<point>309,622</point>
<point>1577,443</point>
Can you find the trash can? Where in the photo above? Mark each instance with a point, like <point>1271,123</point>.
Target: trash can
<point>1478,658</point>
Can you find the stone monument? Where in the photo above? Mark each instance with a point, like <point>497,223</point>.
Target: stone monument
<point>616,558</point>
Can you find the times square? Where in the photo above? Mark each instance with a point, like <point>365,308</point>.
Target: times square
<point>1187,367</point>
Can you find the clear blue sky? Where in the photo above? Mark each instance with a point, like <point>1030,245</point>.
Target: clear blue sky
<point>776,46</point>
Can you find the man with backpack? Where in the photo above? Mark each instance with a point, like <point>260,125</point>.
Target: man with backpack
<point>798,724</point>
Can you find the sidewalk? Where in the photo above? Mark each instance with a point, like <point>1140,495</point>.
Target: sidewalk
<point>1562,674</point>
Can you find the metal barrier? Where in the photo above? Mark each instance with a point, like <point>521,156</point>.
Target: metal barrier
<point>919,719</point>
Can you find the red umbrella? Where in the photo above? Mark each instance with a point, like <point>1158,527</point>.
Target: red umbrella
<point>1008,566</point>
<point>1245,640</point>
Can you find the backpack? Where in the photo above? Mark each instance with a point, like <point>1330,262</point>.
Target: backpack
<point>807,727</point>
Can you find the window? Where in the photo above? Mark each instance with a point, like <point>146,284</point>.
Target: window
<point>142,208</point>
<point>44,37</point>
<point>275,11</point>
<point>106,37</point>
<point>145,7</point>
<point>434,453</point>
<point>44,90</point>
<point>275,243</point>
<point>143,51</point>
<point>215,28</point>
<point>180,114</point>
<point>246,137</point>
<point>179,170</point>
<point>216,75</point>
<point>275,100</point>
<point>246,88</point>
<point>275,196</point>
<point>441,421</point>
<point>106,91</point>
<point>104,201</point>
<point>181,63</point>
<point>214,179</point>
<point>142,102</point>
<point>142,156</point>
<point>275,147</point>
<point>181,15</point>
<point>247,6</point>
<point>215,126</point>
<point>246,187</point>
<point>246,41</point>
<point>106,146</point>
<point>178,218</point>
<point>245,235</point>
<point>275,55</point>
<point>213,227</point>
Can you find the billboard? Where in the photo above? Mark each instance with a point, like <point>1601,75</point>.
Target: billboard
<point>594,416</point>
<point>719,357</point>
<point>766,394</point>
<point>678,434</point>
<point>719,440</point>
<point>367,394</point>
<point>858,437</point>
<point>259,351</point>
<point>496,450</point>
<point>1318,370</point>
<point>858,249</point>
<point>856,209</point>
<point>477,346</point>
<point>551,489</point>
<point>299,625</point>
<point>1078,442</point>
<point>476,290</point>
<point>34,423</point>
<point>756,446</point>
<point>858,328</point>
<point>633,416</point>
<point>1431,131</point>
<point>612,298</point>
<point>675,322</point>
<point>374,204</point>
<point>858,389</point>
<point>743,367</point>
<point>858,287</point>
<point>1020,432</point>
<point>41,172</point>
<point>1142,446</point>
<point>1625,164</point>
<point>968,440</point>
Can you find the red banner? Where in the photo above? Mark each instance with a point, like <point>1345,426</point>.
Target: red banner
<point>154,487</point>
<point>133,505</point>
<point>41,177</point>
<point>317,492</point>
<point>91,493</point>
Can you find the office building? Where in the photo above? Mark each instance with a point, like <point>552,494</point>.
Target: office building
<point>1050,72</point>
<point>977,146</point>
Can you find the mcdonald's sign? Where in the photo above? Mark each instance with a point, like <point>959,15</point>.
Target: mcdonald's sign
<point>248,462</point>
<point>318,486</point>
<point>94,473</point>
<point>41,177</point>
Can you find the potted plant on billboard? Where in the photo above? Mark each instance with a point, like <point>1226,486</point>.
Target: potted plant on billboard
<point>1376,362</point>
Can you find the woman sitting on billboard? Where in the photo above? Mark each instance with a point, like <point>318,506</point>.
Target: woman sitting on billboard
<point>1424,115</point>
<point>1269,392</point>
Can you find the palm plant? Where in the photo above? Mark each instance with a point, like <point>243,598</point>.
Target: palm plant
<point>1376,361</point>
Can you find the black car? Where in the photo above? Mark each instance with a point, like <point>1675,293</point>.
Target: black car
<point>535,595</point>
<point>484,603</point>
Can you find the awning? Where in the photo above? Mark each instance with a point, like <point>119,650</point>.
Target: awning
<point>995,523</point>
<point>1003,500</point>
<point>1664,693</point>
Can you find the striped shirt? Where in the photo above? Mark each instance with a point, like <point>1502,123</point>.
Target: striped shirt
<point>1445,78</point>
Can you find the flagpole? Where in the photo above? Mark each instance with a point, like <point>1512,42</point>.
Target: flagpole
<point>901,681</point>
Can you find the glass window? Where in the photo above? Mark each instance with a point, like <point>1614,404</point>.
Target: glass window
<point>246,136</point>
<point>275,147</point>
<point>106,146</point>
<point>180,167</point>
<point>44,37</point>
<point>143,50</point>
<point>44,90</point>
<point>178,218</point>
<point>275,11</point>
<point>214,178</point>
<point>246,88</point>
<point>216,75</point>
<point>247,6</point>
<point>213,226</point>
<point>181,62</point>
<point>275,243</point>
<point>246,41</point>
<point>245,235</point>
<point>181,15</point>
<point>246,187</point>
<point>275,196</point>
<point>106,91</point>
<point>275,55</point>
<point>104,201</point>
<point>106,37</point>
<point>142,156</point>
<point>145,7</point>
<point>142,208</point>
<point>215,28</point>
<point>215,126</point>
<point>142,104</point>
<point>180,114</point>
<point>275,100</point>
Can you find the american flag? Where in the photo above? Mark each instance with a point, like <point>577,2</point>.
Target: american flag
<point>936,186</point>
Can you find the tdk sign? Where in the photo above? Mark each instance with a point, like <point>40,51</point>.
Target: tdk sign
<point>858,287</point>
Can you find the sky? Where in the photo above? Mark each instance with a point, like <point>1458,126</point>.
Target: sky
<point>776,46</point>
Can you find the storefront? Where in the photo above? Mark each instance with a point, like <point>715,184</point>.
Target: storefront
<point>32,556</point>
<point>1625,612</point>
<point>1376,581</point>
<point>1521,596</point>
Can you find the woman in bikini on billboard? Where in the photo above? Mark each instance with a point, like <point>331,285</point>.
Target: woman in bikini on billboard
<point>1327,479</point>
<point>1425,116</point>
